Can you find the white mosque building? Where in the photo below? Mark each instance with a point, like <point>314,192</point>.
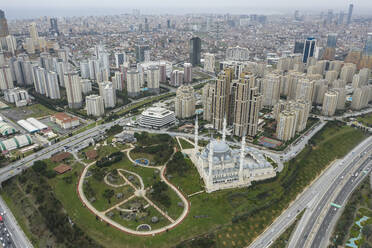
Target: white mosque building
<point>222,167</point>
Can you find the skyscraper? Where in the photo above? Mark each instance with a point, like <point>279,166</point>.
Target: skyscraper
<point>3,25</point>
<point>54,26</point>
<point>119,59</point>
<point>187,73</point>
<point>309,49</point>
<point>195,48</point>
<point>33,33</point>
<point>95,105</point>
<point>153,79</point>
<point>209,62</point>
<point>331,40</point>
<point>350,13</point>
<point>140,52</point>
<point>184,103</point>
<point>73,90</point>
<point>368,47</point>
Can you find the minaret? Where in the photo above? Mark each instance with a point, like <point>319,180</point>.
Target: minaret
<point>196,139</point>
<point>224,130</point>
<point>242,155</point>
<point>210,161</point>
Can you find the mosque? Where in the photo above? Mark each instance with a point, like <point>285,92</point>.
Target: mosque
<point>222,167</point>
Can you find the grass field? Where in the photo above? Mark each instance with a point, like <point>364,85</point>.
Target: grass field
<point>234,217</point>
<point>366,119</point>
<point>185,144</point>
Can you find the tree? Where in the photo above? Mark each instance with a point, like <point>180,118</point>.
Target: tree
<point>39,166</point>
<point>367,231</point>
<point>108,194</point>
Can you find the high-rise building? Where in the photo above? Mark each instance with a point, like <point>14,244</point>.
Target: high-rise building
<point>54,26</point>
<point>11,44</point>
<point>163,72</point>
<point>40,80</point>
<point>187,73</point>
<point>6,80</point>
<point>3,25</point>
<point>86,86</point>
<point>95,105</point>
<point>360,98</point>
<point>347,72</point>
<point>107,91</point>
<point>309,49</point>
<point>118,81</point>
<point>73,90</point>
<point>299,47</point>
<point>153,79</point>
<point>177,78</point>
<point>140,52</point>
<point>221,101</point>
<point>209,62</point>
<point>237,53</point>
<point>184,102</point>
<point>119,59</point>
<point>133,83</point>
<point>84,69</point>
<point>341,98</point>
<point>52,89</point>
<point>207,99</point>
<point>286,126</point>
<point>330,50</point>
<point>304,90</point>
<point>368,46</point>
<point>62,68</point>
<point>271,90</point>
<point>34,35</point>
<point>350,13</point>
<point>195,49</point>
<point>329,103</point>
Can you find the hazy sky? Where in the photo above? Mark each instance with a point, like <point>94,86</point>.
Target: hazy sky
<point>86,7</point>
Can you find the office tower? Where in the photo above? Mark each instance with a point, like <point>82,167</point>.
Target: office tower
<point>368,46</point>
<point>140,52</point>
<point>329,16</point>
<point>163,72</point>
<point>73,90</point>
<point>330,50</point>
<point>207,100</point>
<point>271,90</point>
<point>133,83</point>
<point>360,98</point>
<point>11,44</point>
<point>119,59</point>
<point>187,73</point>
<point>299,47</point>
<point>304,90</point>
<point>237,53</point>
<point>118,81</point>
<point>6,80</point>
<point>3,25</point>
<point>54,26</point>
<point>153,79</point>
<point>286,126</point>
<point>177,78</point>
<point>168,23</point>
<point>209,62</point>
<point>86,86</point>
<point>350,13</point>
<point>340,20</point>
<point>347,72</point>
<point>107,91</point>
<point>95,105</point>
<point>184,102</point>
<point>84,69</point>
<point>195,49</point>
<point>309,49</point>
<point>329,103</point>
<point>52,89</point>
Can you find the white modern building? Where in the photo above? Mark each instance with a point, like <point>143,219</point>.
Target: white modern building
<point>95,105</point>
<point>156,117</point>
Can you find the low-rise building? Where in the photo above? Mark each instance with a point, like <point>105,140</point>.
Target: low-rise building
<point>65,121</point>
<point>156,117</point>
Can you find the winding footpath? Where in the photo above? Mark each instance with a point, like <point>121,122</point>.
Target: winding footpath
<point>106,219</point>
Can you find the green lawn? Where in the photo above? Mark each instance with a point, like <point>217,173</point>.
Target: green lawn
<point>232,217</point>
<point>185,144</point>
<point>366,119</point>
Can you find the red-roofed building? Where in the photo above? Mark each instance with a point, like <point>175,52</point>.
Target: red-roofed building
<point>65,121</point>
<point>62,168</point>
<point>60,157</point>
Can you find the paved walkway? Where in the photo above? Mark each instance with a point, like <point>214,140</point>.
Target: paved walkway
<point>103,217</point>
<point>111,184</point>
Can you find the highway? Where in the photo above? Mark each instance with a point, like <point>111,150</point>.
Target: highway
<point>306,227</point>
<point>308,198</point>
<point>325,230</point>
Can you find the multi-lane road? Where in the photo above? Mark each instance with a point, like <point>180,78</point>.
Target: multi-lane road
<point>311,195</point>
